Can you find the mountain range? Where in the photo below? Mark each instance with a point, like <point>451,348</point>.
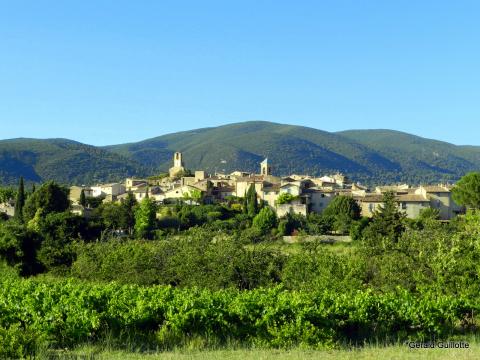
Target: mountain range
<point>368,156</point>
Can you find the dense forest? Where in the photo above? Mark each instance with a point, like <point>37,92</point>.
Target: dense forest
<point>368,156</point>
<point>154,277</point>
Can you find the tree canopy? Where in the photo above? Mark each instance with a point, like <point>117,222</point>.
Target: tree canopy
<point>467,191</point>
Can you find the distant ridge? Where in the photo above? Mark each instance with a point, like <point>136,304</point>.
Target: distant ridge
<point>369,156</point>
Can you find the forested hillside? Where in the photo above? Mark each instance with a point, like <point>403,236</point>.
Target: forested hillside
<point>368,156</point>
<point>65,161</point>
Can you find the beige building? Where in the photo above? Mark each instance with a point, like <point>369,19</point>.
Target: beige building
<point>8,208</point>
<point>76,191</point>
<point>113,189</point>
<point>133,184</point>
<point>292,208</point>
<point>411,200</point>
<point>441,199</point>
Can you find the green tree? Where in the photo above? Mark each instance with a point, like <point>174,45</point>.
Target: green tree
<point>18,246</point>
<point>59,230</point>
<point>83,199</point>
<point>194,195</point>
<point>129,205</point>
<point>467,191</point>
<point>113,216</point>
<point>265,220</point>
<point>342,212</point>
<point>20,201</point>
<point>50,197</point>
<point>252,201</point>
<point>343,205</point>
<point>387,222</point>
<point>145,217</point>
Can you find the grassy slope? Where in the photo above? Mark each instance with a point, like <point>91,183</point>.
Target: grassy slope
<point>370,352</point>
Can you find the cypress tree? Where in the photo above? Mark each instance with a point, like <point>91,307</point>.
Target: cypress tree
<point>83,199</point>
<point>245,203</point>
<point>252,204</point>
<point>20,200</point>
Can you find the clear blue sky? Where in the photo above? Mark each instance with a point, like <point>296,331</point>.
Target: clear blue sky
<point>105,72</point>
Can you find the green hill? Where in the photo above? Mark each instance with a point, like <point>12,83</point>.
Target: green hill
<point>419,157</point>
<point>369,156</point>
<point>65,161</point>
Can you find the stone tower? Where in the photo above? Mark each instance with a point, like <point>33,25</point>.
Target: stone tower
<point>265,168</point>
<point>178,166</point>
<point>177,160</point>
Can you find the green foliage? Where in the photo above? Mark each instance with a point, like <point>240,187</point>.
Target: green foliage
<point>145,217</point>
<point>387,223</point>
<point>20,201</point>
<point>342,211</point>
<point>285,198</point>
<point>193,259</point>
<point>291,222</point>
<point>58,231</point>
<point>194,195</point>
<point>94,202</point>
<point>129,205</point>
<point>317,224</point>
<point>65,313</point>
<point>50,197</point>
<point>7,194</point>
<point>314,269</point>
<point>467,191</point>
<point>265,220</point>
<point>357,228</point>
<point>251,201</point>
<point>429,214</point>
<point>18,247</point>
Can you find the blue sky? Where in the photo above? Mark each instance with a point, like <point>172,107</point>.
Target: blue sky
<point>105,72</point>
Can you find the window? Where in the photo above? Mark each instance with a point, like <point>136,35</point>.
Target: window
<point>404,206</point>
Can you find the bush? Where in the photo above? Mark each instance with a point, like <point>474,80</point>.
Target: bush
<point>265,220</point>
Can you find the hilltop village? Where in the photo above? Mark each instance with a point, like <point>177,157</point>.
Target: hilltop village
<point>300,194</point>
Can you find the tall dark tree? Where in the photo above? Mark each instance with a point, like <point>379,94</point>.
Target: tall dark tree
<point>83,199</point>
<point>245,203</point>
<point>252,202</point>
<point>20,200</point>
<point>129,204</point>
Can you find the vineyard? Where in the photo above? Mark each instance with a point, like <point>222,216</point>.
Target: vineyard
<point>66,313</point>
